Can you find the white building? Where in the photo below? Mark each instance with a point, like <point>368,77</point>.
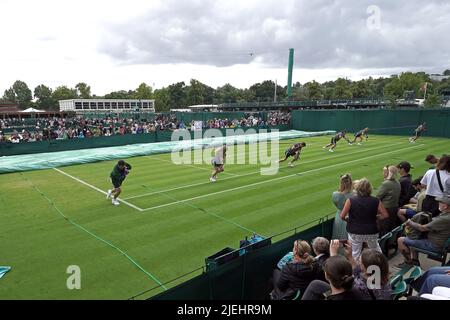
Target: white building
<point>204,107</point>
<point>438,77</point>
<point>114,105</point>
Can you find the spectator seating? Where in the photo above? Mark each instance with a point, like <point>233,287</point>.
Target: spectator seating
<point>383,242</point>
<point>398,286</point>
<point>414,274</point>
<point>392,241</point>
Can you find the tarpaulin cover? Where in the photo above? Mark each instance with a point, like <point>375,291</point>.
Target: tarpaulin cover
<point>57,159</point>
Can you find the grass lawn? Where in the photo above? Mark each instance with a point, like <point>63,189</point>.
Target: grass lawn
<point>173,216</point>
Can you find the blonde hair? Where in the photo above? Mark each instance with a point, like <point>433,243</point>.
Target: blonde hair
<point>303,251</point>
<point>392,172</point>
<point>363,187</point>
<point>345,183</point>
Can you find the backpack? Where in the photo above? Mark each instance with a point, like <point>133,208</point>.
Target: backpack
<point>246,242</point>
<point>420,218</point>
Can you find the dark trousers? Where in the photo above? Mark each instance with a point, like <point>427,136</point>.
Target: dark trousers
<point>386,225</point>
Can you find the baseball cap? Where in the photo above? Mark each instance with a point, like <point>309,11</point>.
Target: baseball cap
<point>444,199</point>
<point>404,165</point>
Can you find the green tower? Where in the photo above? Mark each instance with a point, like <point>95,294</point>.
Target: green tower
<point>291,65</point>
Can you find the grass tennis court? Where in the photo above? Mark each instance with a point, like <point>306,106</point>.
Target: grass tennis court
<point>173,216</point>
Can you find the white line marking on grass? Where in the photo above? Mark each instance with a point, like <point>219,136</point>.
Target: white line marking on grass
<point>96,189</point>
<point>189,165</point>
<point>250,173</point>
<point>188,186</point>
<point>275,179</point>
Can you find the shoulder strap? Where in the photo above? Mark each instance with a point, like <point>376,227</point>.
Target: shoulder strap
<point>439,180</point>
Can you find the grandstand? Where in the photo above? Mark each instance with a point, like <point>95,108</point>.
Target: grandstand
<point>312,104</point>
<point>102,105</point>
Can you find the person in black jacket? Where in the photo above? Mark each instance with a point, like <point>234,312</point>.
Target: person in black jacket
<point>321,249</point>
<point>295,275</point>
<point>406,189</point>
<point>339,274</point>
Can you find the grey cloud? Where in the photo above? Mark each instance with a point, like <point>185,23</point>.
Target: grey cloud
<point>325,34</point>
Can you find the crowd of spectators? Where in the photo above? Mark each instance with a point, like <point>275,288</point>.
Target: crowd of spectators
<point>339,269</point>
<point>17,130</point>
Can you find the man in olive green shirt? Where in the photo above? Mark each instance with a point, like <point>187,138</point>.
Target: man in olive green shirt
<point>389,194</point>
<point>118,175</point>
<point>438,233</point>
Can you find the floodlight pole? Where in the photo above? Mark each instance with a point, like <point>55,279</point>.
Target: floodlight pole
<point>290,67</point>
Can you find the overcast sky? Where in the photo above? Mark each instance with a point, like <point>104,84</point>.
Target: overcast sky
<point>113,45</point>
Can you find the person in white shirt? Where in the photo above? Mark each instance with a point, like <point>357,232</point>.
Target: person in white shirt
<point>218,162</point>
<point>434,188</point>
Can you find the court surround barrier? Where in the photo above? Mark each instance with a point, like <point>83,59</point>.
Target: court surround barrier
<point>244,277</point>
<point>49,160</point>
<point>382,121</point>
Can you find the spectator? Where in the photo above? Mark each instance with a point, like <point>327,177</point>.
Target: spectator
<point>438,231</point>
<point>339,198</point>
<point>406,189</point>
<point>339,274</point>
<point>432,278</point>
<point>431,159</point>
<point>437,181</point>
<point>389,194</point>
<point>361,213</point>
<point>295,275</point>
<point>380,288</point>
<point>321,248</point>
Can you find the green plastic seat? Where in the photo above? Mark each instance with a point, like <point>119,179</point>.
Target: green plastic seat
<point>399,290</point>
<point>414,275</point>
<point>383,243</point>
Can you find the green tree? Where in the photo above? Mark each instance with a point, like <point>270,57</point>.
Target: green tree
<point>446,72</point>
<point>10,95</point>
<point>122,94</point>
<point>195,92</point>
<point>265,91</point>
<point>64,93</point>
<point>393,89</point>
<point>44,98</point>
<point>342,89</point>
<point>244,95</point>
<point>362,89</point>
<point>177,95</point>
<point>19,93</point>
<point>208,94</point>
<point>299,92</point>
<point>144,91</point>
<point>227,94</point>
<point>313,90</point>
<point>433,100</point>
<point>162,99</point>
<point>83,90</point>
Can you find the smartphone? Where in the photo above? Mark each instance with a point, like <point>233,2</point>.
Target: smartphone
<point>344,241</point>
